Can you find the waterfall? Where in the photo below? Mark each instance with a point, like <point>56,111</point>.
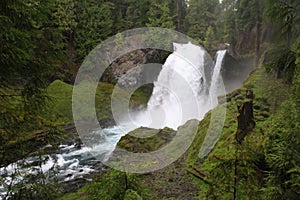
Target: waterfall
<point>215,81</point>
<point>181,91</point>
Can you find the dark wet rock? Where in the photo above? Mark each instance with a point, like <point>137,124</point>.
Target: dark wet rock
<point>133,60</point>
<point>105,123</point>
<point>74,185</point>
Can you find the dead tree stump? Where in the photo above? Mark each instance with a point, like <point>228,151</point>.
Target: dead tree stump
<point>245,117</point>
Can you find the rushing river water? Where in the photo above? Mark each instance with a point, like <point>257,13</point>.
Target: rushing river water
<point>67,163</point>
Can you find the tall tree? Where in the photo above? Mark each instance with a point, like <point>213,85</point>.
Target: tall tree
<point>248,21</point>
<point>65,17</point>
<point>285,14</point>
<point>136,13</point>
<point>226,27</point>
<point>27,58</point>
<point>159,15</point>
<point>180,12</point>
<point>94,25</point>
<point>201,14</point>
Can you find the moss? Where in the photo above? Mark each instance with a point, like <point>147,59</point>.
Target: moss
<point>132,195</point>
<point>138,141</point>
<point>60,103</point>
<point>141,96</point>
<point>112,185</point>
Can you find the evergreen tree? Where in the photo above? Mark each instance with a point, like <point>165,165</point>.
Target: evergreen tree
<point>94,25</point>
<point>159,15</point>
<point>209,38</point>
<point>136,13</point>
<point>285,14</point>
<point>65,17</point>
<point>180,13</point>
<point>248,17</point>
<point>226,22</point>
<point>27,57</point>
<point>201,14</point>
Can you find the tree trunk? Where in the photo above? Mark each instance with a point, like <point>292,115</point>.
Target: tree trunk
<point>179,14</point>
<point>258,33</point>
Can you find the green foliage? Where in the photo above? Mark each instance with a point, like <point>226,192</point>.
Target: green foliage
<point>65,16</point>
<point>94,25</point>
<point>138,144</point>
<point>136,13</point>
<point>226,22</point>
<point>246,14</point>
<point>296,78</point>
<point>282,146</point>
<point>286,15</point>
<point>141,96</point>
<point>114,185</point>
<point>27,58</point>
<point>60,101</point>
<point>132,195</point>
<point>159,15</point>
<point>249,158</point>
<point>285,61</point>
<point>119,41</point>
<point>283,64</point>
<point>209,38</point>
<point>282,153</point>
<point>201,14</point>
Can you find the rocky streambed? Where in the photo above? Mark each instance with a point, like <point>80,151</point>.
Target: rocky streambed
<point>72,163</point>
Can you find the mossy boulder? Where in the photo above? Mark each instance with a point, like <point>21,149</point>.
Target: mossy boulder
<point>143,140</point>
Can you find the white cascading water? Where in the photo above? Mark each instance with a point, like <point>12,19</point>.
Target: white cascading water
<point>215,81</point>
<point>181,91</point>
